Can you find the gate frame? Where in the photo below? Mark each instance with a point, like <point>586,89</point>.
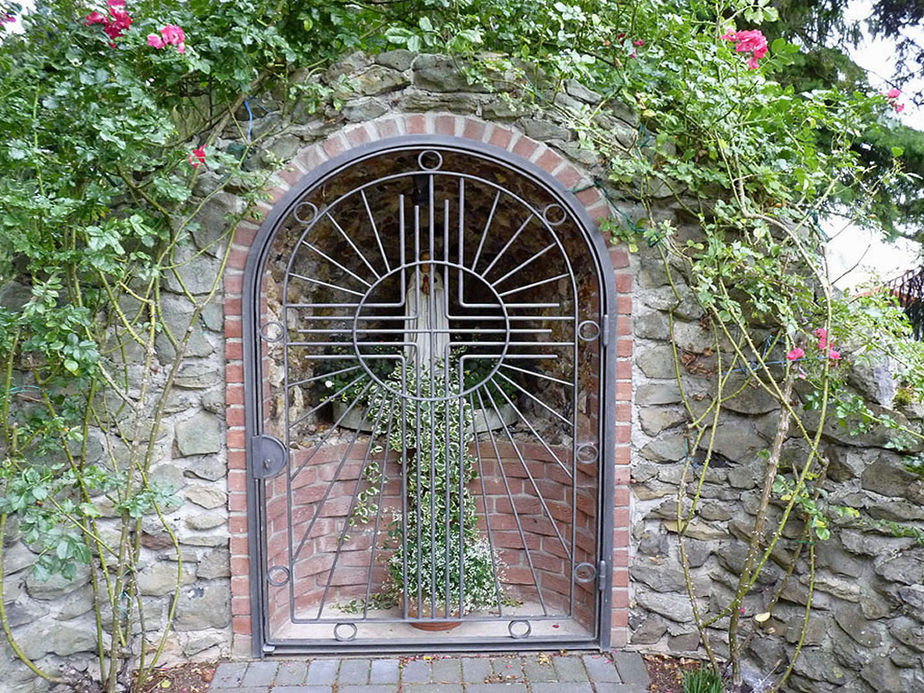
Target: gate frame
<point>544,167</point>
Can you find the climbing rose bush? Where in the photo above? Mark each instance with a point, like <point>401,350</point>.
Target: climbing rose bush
<point>751,41</point>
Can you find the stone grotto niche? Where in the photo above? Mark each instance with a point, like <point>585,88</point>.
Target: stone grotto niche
<point>431,328</point>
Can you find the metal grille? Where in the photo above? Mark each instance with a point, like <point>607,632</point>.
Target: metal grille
<point>430,451</point>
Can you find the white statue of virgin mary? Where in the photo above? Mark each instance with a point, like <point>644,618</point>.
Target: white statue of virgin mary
<point>427,321</point>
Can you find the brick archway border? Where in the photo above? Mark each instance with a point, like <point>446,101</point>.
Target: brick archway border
<point>469,128</point>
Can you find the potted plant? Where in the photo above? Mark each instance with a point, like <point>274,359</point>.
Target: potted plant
<point>440,564</point>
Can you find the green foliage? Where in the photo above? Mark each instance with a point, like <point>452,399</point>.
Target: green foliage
<point>439,556</point>
<point>702,680</point>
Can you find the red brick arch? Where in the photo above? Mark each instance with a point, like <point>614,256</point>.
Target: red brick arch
<point>466,128</point>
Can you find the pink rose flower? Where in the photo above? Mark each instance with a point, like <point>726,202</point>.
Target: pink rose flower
<point>155,41</point>
<point>822,335</point>
<point>173,34</point>
<point>116,24</point>
<point>796,354</point>
<point>834,355</point>
<point>893,93</point>
<point>197,157</point>
<point>95,18</point>
<point>751,41</point>
<point>899,107</point>
<point>638,42</point>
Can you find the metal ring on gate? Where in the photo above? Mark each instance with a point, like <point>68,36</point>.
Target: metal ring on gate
<point>430,152</point>
<point>341,637</point>
<point>587,453</point>
<point>272,323</point>
<point>521,634</point>
<point>561,214</point>
<point>592,333</point>
<point>311,206</point>
<point>278,582</point>
<point>584,572</point>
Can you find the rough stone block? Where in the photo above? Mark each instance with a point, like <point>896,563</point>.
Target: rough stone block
<point>399,60</point>
<point>198,435</point>
<point>200,606</point>
<point>440,73</point>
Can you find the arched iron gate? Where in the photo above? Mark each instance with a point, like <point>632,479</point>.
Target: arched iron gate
<point>430,465</point>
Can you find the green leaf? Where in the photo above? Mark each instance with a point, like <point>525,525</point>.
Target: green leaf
<point>89,510</point>
<point>898,151</point>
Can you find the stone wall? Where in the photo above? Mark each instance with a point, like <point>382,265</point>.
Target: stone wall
<point>54,621</point>
<point>866,632</point>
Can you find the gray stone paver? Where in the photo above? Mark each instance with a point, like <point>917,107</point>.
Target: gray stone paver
<point>570,669</point>
<point>609,687</point>
<point>228,674</point>
<point>260,674</point>
<point>291,674</point>
<point>446,671</point>
<point>526,673</point>
<point>322,671</point>
<point>535,671</point>
<point>475,670</point>
<point>631,668</point>
<point>600,669</point>
<point>384,671</point>
<point>433,688</point>
<point>416,671</point>
<point>496,688</point>
<point>354,671</point>
<point>508,666</point>
<point>554,687</point>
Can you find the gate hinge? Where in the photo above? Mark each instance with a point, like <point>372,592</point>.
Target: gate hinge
<point>268,649</point>
<point>606,329</point>
<point>602,567</point>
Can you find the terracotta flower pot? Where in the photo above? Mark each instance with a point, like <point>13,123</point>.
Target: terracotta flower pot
<point>426,613</point>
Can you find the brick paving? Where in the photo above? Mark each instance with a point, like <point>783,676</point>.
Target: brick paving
<point>618,672</point>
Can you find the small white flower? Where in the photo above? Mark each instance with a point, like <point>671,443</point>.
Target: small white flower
<point>329,384</point>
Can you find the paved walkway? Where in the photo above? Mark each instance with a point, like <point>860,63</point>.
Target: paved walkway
<point>618,672</point>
